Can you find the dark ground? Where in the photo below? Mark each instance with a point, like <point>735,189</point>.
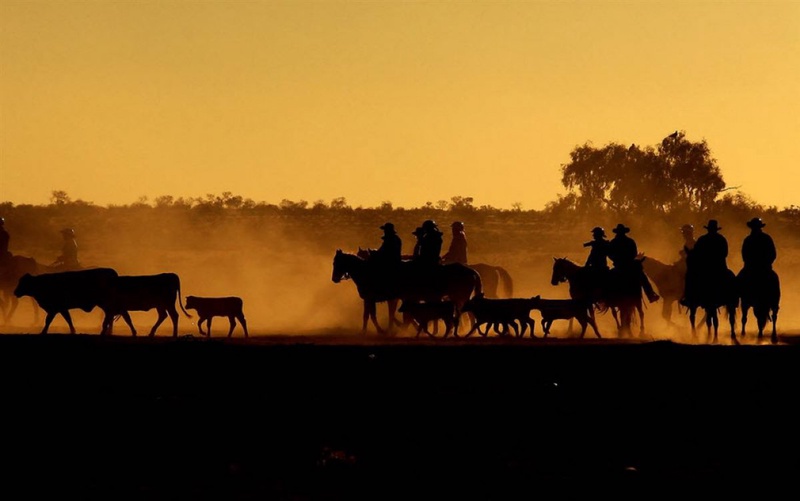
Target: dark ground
<point>304,418</point>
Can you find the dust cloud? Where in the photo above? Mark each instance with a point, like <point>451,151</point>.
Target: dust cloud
<point>282,270</point>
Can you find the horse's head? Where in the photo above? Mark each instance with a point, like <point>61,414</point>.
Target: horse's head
<point>340,268</point>
<point>560,267</point>
<point>363,253</point>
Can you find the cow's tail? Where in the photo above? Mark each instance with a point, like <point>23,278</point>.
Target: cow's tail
<point>180,299</point>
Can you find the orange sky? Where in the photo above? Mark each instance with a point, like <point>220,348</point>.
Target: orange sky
<point>407,102</point>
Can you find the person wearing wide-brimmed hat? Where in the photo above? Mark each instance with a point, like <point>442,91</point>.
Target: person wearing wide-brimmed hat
<point>758,248</point>
<point>430,249</point>
<point>457,252</point>
<point>710,253</point>
<point>622,251</point>
<point>598,256</point>
<point>390,251</point>
<point>687,231</point>
<point>68,260</point>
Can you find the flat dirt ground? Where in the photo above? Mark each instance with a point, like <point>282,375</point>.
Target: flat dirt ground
<point>338,416</point>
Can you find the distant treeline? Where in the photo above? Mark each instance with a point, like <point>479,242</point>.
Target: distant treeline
<point>225,221</point>
<point>651,189</point>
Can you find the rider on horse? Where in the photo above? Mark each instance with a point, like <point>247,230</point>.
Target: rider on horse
<point>597,261</point>
<point>457,253</point>
<point>622,251</point>
<point>68,260</point>
<point>430,244</point>
<point>5,256</point>
<point>706,263</point>
<point>758,249</point>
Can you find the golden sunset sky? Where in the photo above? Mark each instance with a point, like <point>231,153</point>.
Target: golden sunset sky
<point>375,101</point>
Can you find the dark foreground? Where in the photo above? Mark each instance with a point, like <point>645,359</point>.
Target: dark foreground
<point>121,418</point>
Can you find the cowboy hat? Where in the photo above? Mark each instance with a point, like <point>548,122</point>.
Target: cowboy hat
<point>712,225</point>
<point>756,222</point>
<point>388,227</point>
<point>621,228</point>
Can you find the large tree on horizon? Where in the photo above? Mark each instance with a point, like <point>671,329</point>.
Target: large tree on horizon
<point>675,175</point>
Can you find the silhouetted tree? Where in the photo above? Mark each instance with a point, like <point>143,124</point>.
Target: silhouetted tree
<point>59,197</point>
<point>678,174</point>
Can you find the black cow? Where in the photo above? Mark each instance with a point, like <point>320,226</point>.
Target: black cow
<point>143,293</point>
<point>60,292</point>
<point>210,307</point>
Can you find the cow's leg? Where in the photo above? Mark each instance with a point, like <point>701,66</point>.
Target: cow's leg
<point>584,324</point>
<point>393,321</point>
<point>173,315</point>
<point>162,315</point>
<point>108,324</point>
<point>48,320</point>
<point>243,322</point>
<point>126,316</point>
<point>232,321</point>
<point>546,326</point>
<point>68,318</point>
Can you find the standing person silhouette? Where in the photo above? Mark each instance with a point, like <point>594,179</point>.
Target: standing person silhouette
<point>68,260</point>
<point>622,251</point>
<point>457,252</point>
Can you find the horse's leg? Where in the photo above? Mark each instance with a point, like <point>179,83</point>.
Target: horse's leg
<point>692,318</point>
<point>745,307</point>
<point>774,337</point>
<point>392,303</point>
<point>641,318</point>
<point>365,317</point>
<point>373,314</point>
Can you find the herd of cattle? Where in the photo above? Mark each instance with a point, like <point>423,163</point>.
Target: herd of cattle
<point>503,315</point>
<point>116,295</point>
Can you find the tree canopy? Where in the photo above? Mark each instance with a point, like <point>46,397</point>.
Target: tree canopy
<point>675,175</point>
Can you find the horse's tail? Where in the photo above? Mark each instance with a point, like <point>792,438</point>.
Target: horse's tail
<point>477,284</point>
<point>508,284</point>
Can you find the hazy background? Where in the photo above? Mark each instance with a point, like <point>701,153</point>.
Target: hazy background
<point>372,101</point>
<point>280,261</point>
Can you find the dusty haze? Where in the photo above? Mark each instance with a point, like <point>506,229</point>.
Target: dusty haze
<point>281,266</point>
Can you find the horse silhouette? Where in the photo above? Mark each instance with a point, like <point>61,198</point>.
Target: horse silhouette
<point>16,268</point>
<point>710,293</point>
<point>620,292</point>
<point>669,280</point>
<point>408,281</point>
<point>493,277</point>
<point>761,291</point>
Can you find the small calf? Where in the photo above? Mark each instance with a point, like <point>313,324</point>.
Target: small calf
<point>424,313</point>
<point>209,307</point>
<point>500,312</point>
<point>564,309</point>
